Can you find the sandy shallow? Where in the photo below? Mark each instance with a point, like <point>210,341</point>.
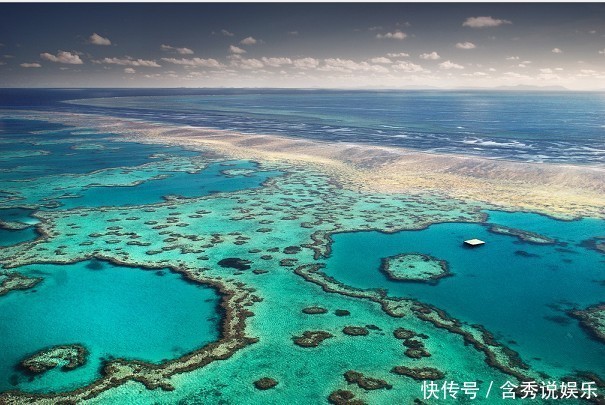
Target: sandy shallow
<point>565,191</point>
<point>562,190</point>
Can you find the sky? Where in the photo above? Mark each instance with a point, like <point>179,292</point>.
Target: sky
<point>339,45</point>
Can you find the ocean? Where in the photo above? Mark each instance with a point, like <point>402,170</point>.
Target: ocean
<point>559,127</point>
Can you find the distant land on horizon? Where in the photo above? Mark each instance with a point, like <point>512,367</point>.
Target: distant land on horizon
<point>519,87</point>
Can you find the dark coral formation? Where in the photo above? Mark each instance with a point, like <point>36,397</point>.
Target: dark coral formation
<point>592,320</point>
<point>73,356</point>
<point>597,244</point>
<point>235,263</point>
<point>265,383</point>
<point>525,236</point>
<point>311,338</point>
<point>402,333</point>
<point>367,383</point>
<point>419,373</point>
<point>342,312</point>
<point>17,281</point>
<point>415,349</point>
<point>355,331</point>
<point>436,269</point>
<point>291,250</point>
<point>314,310</point>
<point>344,397</point>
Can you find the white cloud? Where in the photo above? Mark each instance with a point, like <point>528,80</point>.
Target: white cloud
<point>381,60</point>
<point>556,50</point>
<point>96,39</point>
<point>30,65</point>
<point>63,57</point>
<point>475,74</point>
<point>483,22</point>
<point>248,41</point>
<point>602,52</point>
<point>306,63</point>
<point>128,61</point>
<point>293,33</point>
<point>546,70</point>
<point>227,33</point>
<point>447,65</point>
<point>182,51</point>
<point>548,76</point>
<point>130,71</point>
<point>515,75</point>
<point>408,67</point>
<point>430,56</point>
<point>512,58</point>
<point>248,63</point>
<point>398,55</point>
<point>492,70</point>
<point>348,66</point>
<point>465,45</point>
<point>235,50</point>
<point>392,35</point>
<point>198,62</point>
<point>276,62</point>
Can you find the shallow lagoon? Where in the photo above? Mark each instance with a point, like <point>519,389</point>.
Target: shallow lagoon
<point>477,287</point>
<point>518,290</point>
<point>182,184</point>
<point>127,312</point>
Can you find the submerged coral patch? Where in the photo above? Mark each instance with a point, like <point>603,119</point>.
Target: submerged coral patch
<point>311,338</point>
<point>265,383</point>
<point>419,373</point>
<point>68,357</point>
<point>592,320</point>
<point>414,267</point>
<point>314,310</point>
<point>235,263</point>
<point>355,331</point>
<point>16,281</point>
<point>365,382</point>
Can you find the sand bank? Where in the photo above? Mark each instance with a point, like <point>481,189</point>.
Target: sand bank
<point>564,191</point>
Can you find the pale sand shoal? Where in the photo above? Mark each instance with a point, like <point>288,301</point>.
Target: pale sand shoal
<point>565,191</point>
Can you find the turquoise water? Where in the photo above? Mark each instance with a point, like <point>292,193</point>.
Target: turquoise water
<point>113,311</point>
<point>13,236</point>
<point>28,154</point>
<point>518,290</point>
<point>183,184</point>
<point>10,237</point>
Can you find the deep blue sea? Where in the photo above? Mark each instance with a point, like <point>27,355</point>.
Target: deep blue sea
<point>566,127</point>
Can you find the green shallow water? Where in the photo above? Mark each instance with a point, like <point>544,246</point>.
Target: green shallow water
<point>114,311</point>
